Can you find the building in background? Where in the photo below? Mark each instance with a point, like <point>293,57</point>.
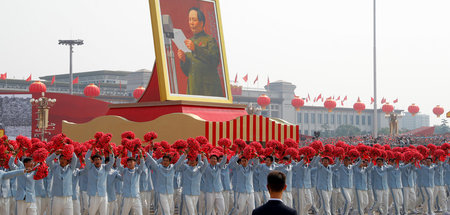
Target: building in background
<point>115,86</point>
<point>118,86</point>
<point>309,118</point>
<point>137,79</point>
<point>410,122</point>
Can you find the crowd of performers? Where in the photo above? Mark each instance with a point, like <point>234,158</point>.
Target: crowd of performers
<point>193,176</point>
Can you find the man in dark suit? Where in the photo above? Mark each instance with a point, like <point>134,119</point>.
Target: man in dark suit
<point>276,184</point>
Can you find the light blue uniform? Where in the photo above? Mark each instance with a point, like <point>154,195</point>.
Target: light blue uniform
<point>212,176</point>
<point>164,176</point>
<point>244,175</point>
<point>130,178</point>
<point>111,180</point>
<point>191,177</point>
<point>62,176</point>
<point>97,176</point>
<point>25,184</point>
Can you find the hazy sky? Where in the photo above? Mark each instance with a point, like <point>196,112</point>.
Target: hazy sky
<point>322,46</point>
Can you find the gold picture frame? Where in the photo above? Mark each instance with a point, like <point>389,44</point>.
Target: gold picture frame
<point>163,65</point>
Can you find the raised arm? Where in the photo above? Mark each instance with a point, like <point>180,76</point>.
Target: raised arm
<point>370,166</point>
<point>255,164</point>
<point>73,163</point>
<point>337,165</point>
<point>180,161</point>
<point>299,164</point>
<point>233,163</point>
<point>201,164</point>
<point>87,159</point>
<point>357,163</point>
<point>406,166</point>
<point>151,162</point>
<point>223,162</point>
<point>315,161</point>
<point>119,165</point>
<point>50,160</point>
<point>110,164</point>
<point>11,174</point>
<point>12,165</point>
<point>141,165</point>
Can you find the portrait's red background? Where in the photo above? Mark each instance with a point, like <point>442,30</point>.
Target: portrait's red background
<point>179,12</point>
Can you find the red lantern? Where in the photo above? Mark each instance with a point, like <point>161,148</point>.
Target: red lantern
<point>438,110</point>
<point>413,109</point>
<point>37,87</point>
<point>137,93</point>
<point>387,108</point>
<point>359,106</point>
<point>263,101</point>
<point>91,90</point>
<point>297,102</point>
<point>329,104</point>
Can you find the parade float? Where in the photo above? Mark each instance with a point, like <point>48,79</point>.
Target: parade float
<point>188,94</point>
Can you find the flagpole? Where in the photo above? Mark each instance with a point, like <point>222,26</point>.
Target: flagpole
<point>375,111</point>
<point>70,71</point>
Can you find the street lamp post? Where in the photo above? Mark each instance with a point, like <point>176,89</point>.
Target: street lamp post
<point>375,111</point>
<point>71,43</point>
<point>43,105</point>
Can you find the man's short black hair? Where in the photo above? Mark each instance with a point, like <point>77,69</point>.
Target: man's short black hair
<point>382,159</point>
<point>27,159</point>
<point>131,159</point>
<point>96,156</point>
<point>106,159</point>
<point>200,14</point>
<point>276,181</point>
<point>326,158</point>
<point>168,157</point>
<point>214,156</point>
<point>270,157</point>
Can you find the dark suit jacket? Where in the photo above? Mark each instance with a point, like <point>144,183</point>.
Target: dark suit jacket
<point>274,207</point>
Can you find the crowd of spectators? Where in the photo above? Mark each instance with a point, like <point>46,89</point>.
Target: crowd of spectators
<point>15,110</point>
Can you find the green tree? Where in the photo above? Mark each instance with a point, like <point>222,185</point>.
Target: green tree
<point>384,131</point>
<point>347,130</point>
<point>443,128</point>
<point>326,131</point>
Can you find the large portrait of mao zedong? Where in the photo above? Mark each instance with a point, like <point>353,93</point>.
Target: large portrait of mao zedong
<point>190,52</point>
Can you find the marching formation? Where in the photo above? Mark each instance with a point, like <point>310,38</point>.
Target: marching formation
<point>193,176</point>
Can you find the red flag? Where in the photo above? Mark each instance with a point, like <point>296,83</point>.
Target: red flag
<point>372,100</point>
<point>309,97</point>
<point>339,98</point>
<point>29,78</point>
<point>342,103</point>
<point>319,97</point>
<point>315,99</point>
<point>322,99</point>
<point>245,78</point>
<point>383,100</point>
<point>396,100</point>
<point>3,76</point>
<point>75,81</point>
<point>268,81</point>
<point>53,80</point>
<point>345,98</point>
<point>235,78</point>
<point>256,79</point>
<point>120,85</point>
<point>333,97</point>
